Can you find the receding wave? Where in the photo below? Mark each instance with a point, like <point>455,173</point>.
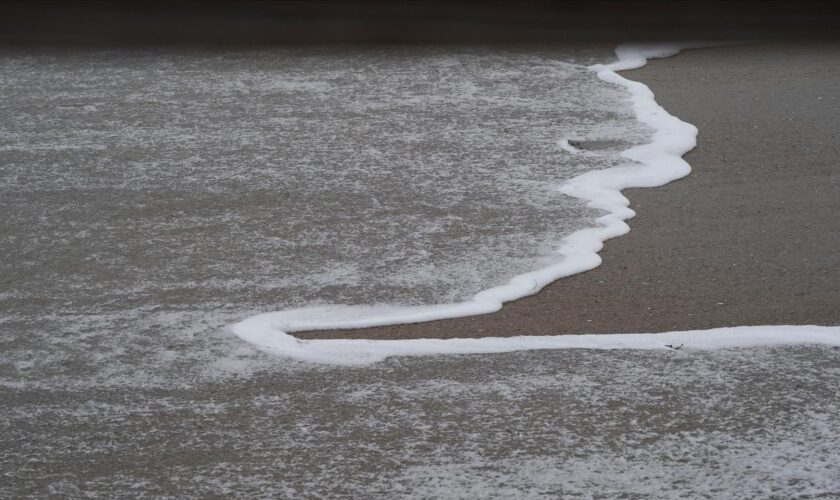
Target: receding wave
<point>655,161</point>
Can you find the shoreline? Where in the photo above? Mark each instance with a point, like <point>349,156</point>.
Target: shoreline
<point>655,163</point>
<point>114,383</point>
<point>628,294</point>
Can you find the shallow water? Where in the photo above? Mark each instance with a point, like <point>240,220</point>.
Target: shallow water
<point>152,197</point>
<point>731,423</point>
<point>400,176</point>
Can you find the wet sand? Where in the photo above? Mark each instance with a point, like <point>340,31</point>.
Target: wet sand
<point>749,238</point>
<point>212,417</point>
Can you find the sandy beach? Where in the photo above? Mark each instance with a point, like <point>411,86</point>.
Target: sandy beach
<point>749,238</point>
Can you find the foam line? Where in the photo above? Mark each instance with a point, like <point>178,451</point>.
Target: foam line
<point>657,163</point>
<point>356,352</point>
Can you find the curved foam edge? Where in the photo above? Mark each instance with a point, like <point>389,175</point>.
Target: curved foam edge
<point>658,162</point>
<point>355,352</point>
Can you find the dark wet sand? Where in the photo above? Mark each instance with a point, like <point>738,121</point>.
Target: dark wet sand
<point>751,237</point>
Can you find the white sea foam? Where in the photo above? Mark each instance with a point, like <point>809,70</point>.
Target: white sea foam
<point>262,332</point>
<point>565,145</point>
<point>657,163</point>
